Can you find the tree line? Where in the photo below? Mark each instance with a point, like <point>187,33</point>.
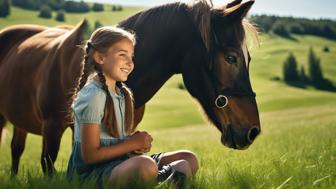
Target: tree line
<point>4,8</point>
<point>294,75</point>
<point>285,26</point>
<point>47,6</point>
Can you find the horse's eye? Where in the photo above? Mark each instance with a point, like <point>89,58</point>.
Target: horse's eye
<point>231,59</point>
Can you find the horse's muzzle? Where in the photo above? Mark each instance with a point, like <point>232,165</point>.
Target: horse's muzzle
<point>239,138</point>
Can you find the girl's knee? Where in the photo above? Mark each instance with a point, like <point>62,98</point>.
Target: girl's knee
<point>145,167</point>
<point>139,167</point>
<point>191,158</point>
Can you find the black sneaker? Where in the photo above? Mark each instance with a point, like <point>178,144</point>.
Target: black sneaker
<point>171,176</point>
<point>164,173</point>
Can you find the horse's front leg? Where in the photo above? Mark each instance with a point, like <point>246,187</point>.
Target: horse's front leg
<point>17,147</point>
<point>53,129</point>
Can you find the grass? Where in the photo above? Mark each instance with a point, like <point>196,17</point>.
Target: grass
<point>296,149</point>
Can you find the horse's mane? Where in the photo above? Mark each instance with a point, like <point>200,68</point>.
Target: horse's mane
<point>164,12</point>
<point>200,13</point>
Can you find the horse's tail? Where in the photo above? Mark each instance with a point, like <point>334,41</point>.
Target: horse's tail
<point>13,35</point>
<point>2,125</point>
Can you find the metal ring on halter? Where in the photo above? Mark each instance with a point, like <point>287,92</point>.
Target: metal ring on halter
<point>219,102</point>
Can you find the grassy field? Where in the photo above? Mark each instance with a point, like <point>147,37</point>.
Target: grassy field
<point>296,149</point>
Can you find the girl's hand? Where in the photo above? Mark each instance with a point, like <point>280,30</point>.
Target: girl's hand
<point>141,151</point>
<point>141,140</point>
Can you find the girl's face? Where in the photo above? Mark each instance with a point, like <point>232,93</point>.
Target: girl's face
<point>117,63</point>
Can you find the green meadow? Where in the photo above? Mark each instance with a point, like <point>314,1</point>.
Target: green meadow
<point>296,149</point>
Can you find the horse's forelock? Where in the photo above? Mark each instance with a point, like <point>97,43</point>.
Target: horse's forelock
<point>201,14</point>
<point>200,11</point>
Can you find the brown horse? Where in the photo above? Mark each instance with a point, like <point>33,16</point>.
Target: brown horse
<point>204,44</point>
<point>38,71</point>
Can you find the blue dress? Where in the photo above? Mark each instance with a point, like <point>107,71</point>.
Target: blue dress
<point>88,107</point>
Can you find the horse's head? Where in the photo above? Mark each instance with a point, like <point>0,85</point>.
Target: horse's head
<point>216,73</point>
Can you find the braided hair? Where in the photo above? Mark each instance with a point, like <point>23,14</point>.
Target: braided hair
<point>101,40</point>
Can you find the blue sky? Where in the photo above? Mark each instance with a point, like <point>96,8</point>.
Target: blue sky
<point>297,8</point>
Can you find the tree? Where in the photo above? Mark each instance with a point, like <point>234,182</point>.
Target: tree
<point>56,4</point>
<point>328,32</point>
<point>296,28</point>
<point>4,8</point>
<point>120,8</point>
<point>326,49</point>
<point>280,29</point>
<point>302,75</point>
<point>60,16</point>
<point>45,11</point>
<point>290,69</point>
<point>117,8</point>
<point>314,68</point>
<point>28,4</point>
<point>114,8</point>
<point>73,6</point>
<point>97,7</point>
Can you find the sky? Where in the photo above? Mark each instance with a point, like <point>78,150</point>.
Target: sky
<point>298,8</point>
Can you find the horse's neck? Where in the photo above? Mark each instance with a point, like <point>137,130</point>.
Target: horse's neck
<point>158,54</point>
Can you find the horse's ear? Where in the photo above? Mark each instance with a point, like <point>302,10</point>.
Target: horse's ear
<point>233,3</point>
<point>232,12</point>
<point>237,11</point>
<point>76,35</point>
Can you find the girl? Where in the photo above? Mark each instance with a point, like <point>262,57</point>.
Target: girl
<point>106,144</point>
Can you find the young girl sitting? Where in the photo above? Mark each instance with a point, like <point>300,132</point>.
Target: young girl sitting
<point>106,144</point>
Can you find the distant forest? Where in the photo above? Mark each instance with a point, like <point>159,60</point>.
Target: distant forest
<point>68,6</point>
<point>285,26</point>
<point>47,6</point>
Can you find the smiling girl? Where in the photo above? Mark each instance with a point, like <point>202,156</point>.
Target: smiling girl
<point>106,144</point>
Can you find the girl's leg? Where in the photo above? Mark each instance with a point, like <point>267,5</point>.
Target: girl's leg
<point>188,159</point>
<point>182,166</point>
<point>139,167</point>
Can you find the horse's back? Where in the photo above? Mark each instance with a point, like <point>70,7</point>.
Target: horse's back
<point>13,35</point>
<point>17,62</point>
<point>29,62</point>
<point>19,67</point>
<point>25,55</point>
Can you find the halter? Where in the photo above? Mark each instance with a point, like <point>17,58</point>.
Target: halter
<point>222,95</point>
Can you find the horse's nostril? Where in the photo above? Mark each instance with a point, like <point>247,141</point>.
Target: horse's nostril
<point>252,134</point>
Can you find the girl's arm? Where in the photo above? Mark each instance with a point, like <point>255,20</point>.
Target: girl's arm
<point>92,152</point>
